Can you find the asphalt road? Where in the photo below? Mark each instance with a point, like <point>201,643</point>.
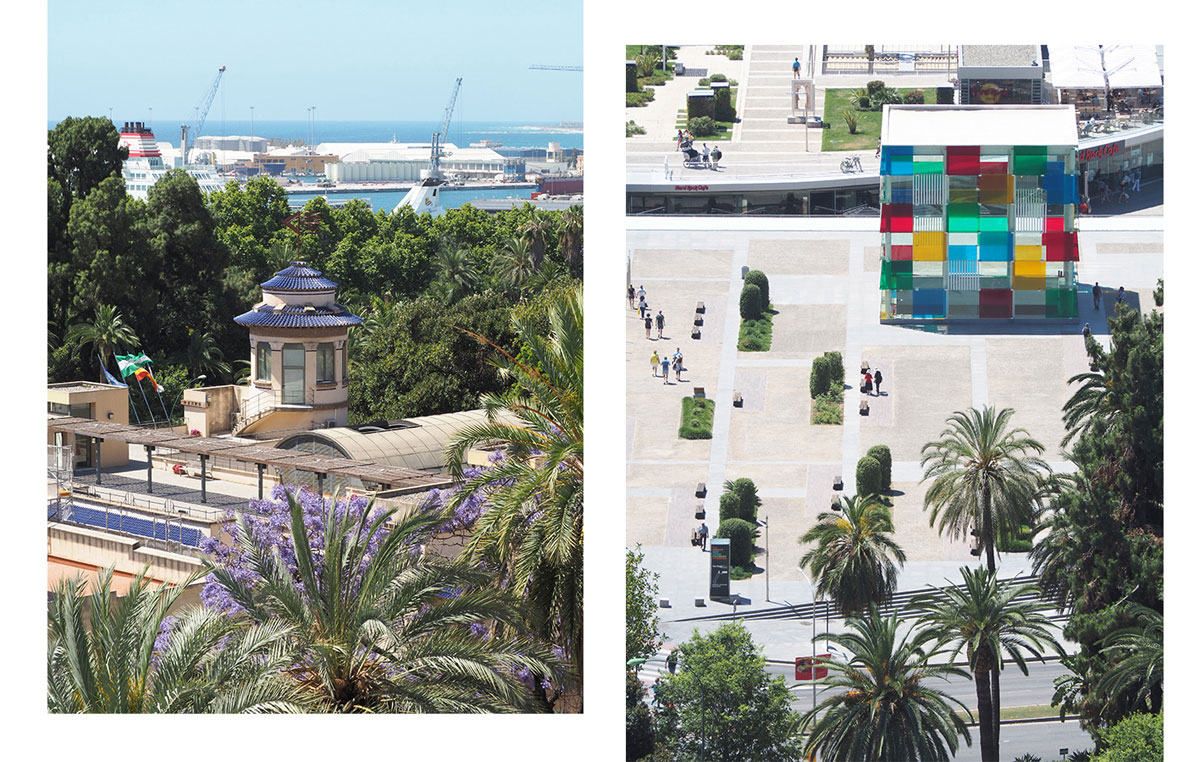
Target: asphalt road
<point>1015,688</point>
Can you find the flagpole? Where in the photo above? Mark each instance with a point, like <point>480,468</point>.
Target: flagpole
<point>143,391</point>
<point>158,386</point>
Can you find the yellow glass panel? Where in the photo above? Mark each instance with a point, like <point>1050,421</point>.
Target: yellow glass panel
<point>1028,253</point>
<point>928,253</point>
<point>929,239</point>
<point>1029,276</point>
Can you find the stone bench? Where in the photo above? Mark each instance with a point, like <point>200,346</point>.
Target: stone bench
<point>700,510</point>
<point>737,399</point>
<point>701,490</point>
<point>837,482</point>
<point>864,408</point>
<point>700,307</point>
<point>698,392</point>
<point>695,333</point>
<point>699,319</point>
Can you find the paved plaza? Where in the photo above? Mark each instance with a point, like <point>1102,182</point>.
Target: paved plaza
<point>824,285</point>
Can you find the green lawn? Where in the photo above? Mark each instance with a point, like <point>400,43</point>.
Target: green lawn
<point>755,335</point>
<point>838,138</point>
<point>1017,713</point>
<point>827,409</point>
<point>696,419</point>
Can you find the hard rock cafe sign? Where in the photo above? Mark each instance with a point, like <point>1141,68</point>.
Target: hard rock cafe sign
<point>1099,152</point>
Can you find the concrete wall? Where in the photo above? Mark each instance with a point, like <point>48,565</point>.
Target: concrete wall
<point>104,400</point>
<point>71,547</point>
<point>209,410</point>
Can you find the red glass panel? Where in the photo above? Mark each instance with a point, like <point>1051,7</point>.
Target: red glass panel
<point>995,303</point>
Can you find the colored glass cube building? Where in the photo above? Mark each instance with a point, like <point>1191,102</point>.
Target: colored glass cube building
<point>978,212</point>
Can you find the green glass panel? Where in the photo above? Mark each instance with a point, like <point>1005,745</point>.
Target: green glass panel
<point>928,167</point>
<point>993,224</point>
<point>904,281</point>
<point>962,210</point>
<point>963,224</point>
<point>1029,165</point>
<point>1061,303</point>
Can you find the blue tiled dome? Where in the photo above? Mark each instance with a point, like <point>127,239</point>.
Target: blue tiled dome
<point>334,315</point>
<point>298,277</point>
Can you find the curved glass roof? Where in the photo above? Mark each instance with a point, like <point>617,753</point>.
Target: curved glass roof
<point>419,446</point>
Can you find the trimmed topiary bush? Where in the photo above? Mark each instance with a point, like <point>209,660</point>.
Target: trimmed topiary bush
<point>759,278</point>
<point>868,477</point>
<point>945,96</point>
<point>875,86</point>
<point>818,377</point>
<point>702,126</point>
<point>729,507</point>
<point>837,372</point>
<point>745,495</point>
<point>741,540</point>
<point>915,97</point>
<point>750,304</point>
<point>882,454</point>
<point>718,78</point>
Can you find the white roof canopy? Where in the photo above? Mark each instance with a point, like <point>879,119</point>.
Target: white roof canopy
<point>1099,66</point>
<point>1076,66</point>
<point>979,125</point>
<point>1132,66</point>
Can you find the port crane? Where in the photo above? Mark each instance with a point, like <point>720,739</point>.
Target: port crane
<point>201,114</point>
<point>435,152</point>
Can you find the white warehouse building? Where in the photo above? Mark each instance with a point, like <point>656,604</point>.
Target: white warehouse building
<point>367,162</point>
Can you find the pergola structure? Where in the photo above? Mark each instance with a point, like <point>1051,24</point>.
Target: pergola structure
<point>403,480</point>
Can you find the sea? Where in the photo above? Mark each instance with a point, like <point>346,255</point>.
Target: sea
<point>461,133</point>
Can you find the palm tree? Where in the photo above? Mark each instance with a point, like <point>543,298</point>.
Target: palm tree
<point>536,231</point>
<point>512,264</point>
<point>886,711</point>
<point>989,619</point>
<point>378,625</point>
<point>983,477</point>
<point>204,356</point>
<point>106,333</point>
<point>1138,665</point>
<point>570,237</point>
<point>852,562</point>
<point>133,658</point>
<point>456,269</point>
<point>533,523</point>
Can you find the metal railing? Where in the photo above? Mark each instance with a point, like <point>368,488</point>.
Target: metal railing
<point>265,402</point>
<point>151,503</point>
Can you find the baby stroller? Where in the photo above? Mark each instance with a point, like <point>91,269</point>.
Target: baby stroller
<point>692,159</point>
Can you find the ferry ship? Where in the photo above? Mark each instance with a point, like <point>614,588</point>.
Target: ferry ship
<point>145,165</point>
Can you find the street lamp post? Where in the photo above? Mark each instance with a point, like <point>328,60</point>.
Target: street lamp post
<point>813,672</point>
<point>767,552</point>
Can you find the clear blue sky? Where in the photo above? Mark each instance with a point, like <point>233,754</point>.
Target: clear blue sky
<point>352,59</point>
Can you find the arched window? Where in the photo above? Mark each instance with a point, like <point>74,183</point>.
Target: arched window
<point>262,362</point>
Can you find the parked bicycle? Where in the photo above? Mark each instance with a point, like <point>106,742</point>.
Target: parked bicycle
<point>851,164</point>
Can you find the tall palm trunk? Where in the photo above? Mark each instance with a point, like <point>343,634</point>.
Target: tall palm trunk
<point>988,745</point>
<point>989,540</point>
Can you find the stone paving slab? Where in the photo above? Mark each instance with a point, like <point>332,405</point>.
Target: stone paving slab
<point>770,476</point>
<point>784,427</point>
<point>920,541</point>
<point>882,407</point>
<point>789,519</point>
<point>799,257</point>
<point>927,384</point>
<point>1032,379</point>
<point>807,330</point>
<point>645,521</point>
<point>678,264</point>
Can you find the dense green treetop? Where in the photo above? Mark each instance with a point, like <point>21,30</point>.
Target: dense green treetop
<point>642,638</point>
<point>84,151</point>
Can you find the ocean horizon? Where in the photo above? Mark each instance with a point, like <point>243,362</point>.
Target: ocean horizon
<point>461,133</point>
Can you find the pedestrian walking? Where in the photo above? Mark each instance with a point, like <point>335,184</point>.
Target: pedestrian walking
<point>796,69</point>
<point>678,366</point>
<point>631,293</point>
<point>654,364</point>
<point>1121,295</point>
<point>867,381</point>
<point>678,355</point>
<point>703,532</point>
<point>659,322</point>
<point>1137,180</point>
<point>1087,332</point>
<point>649,322</point>
<point>706,153</point>
<point>878,147</point>
<point>666,367</point>
<point>678,139</point>
<point>641,292</point>
<point>642,307</point>
<point>716,157</point>
<point>1096,296</point>
<point>878,382</point>
<point>672,660</point>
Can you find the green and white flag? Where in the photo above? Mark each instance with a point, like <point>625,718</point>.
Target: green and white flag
<point>130,364</point>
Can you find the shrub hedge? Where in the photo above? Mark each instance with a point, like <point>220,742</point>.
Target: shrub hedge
<point>882,454</point>
<point>741,540</point>
<point>696,419</point>
<point>750,304</point>
<point>818,377</point>
<point>868,477</point>
<point>759,278</point>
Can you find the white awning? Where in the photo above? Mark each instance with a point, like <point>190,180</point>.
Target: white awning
<point>1076,67</point>
<point>1132,66</point>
